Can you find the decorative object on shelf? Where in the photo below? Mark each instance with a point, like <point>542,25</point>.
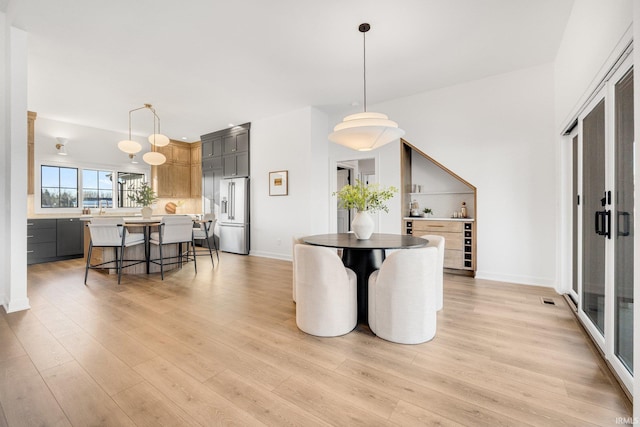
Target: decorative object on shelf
<point>463,210</point>
<point>366,199</point>
<point>427,211</point>
<point>279,183</point>
<point>143,196</point>
<point>367,130</point>
<point>156,139</point>
<point>414,208</point>
<point>61,146</point>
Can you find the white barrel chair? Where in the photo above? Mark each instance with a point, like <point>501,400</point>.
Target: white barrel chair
<point>326,292</point>
<point>402,296</point>
<point>438,242</point>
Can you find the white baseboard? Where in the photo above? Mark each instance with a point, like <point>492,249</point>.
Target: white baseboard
<point>520,280</point>
<point>271,255</point>
<point>16,305</point>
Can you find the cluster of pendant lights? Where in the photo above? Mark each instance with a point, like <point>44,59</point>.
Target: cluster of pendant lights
<point>367,130</point>
<point>132,147</point>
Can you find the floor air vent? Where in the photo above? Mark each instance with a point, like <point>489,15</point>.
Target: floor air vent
<point>547,301</point>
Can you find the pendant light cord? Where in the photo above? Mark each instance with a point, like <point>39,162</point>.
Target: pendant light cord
<point>363,28</point>
<point>364,56</point>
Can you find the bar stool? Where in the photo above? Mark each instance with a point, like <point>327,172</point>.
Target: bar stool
<point>174,229</point>
<point>111,233</point>
<point>205,232</point>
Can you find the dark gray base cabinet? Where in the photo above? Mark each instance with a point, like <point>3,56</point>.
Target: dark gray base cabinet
<point>54,239</point>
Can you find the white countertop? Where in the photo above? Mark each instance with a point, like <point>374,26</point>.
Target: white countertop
<point>431,218</point>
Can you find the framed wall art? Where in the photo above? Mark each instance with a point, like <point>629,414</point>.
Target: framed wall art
<point>279,183</point>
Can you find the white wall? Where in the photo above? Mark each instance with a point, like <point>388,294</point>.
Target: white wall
<point>498,134</point>
<point>4,158</point>
<point>14,193</point>
<point>594,28</point>
<point>297,142</point>
<point>596,35</point>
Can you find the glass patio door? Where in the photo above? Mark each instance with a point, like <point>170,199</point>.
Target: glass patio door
<point>624,209</point>
<point>603,215</point>
<point>594,217</point>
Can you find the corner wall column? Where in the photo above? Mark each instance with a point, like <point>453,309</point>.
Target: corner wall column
<point>14,209</point>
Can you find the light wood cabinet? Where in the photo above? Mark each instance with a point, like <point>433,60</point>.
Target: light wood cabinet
<point>31,119</point>
<point>181,175</point>
<point>459,240</point>
<point>181,154</point>
<point>174,178</point>
<point>196,170</point>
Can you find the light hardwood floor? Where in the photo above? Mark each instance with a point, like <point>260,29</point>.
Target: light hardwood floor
<point>222,347</point>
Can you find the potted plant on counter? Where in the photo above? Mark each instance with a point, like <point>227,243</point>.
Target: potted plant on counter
<point>143,196</point>
<point>366,199</point>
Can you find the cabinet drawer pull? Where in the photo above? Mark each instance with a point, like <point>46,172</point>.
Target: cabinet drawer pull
<point>30,252</point>
<point>29,223</point>
<point>28,237</point>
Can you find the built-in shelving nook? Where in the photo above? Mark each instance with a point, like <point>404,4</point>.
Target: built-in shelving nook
<point>429,184</point>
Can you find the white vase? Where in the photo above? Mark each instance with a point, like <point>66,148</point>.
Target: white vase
<point>146,212</point>
<point>362,225</point>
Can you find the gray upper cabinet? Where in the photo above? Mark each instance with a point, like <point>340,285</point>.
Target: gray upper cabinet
<point>211,147</point>
<point>236,143</point>
<point>227,149</point>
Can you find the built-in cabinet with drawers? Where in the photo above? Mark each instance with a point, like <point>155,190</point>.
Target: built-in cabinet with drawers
<point>54,239</point>
<point>459,238</point>
<point>429,184</point>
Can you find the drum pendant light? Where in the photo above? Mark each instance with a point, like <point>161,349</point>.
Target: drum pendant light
<point>367,130</point>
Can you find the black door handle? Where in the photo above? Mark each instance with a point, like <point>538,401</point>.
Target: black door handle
<point>598,222</point>
<point>607,230</point>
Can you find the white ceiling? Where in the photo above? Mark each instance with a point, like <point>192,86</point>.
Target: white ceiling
<point>206,63</point>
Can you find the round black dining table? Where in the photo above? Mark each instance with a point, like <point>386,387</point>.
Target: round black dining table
<point>364,256</point>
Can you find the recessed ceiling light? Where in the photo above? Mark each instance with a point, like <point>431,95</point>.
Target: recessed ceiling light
<point>231,125</point>
<point>184,138</point>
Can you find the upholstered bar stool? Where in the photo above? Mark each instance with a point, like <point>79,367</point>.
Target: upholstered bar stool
<point>174,229</point>
<point>205,233</point>
<point>111,233</point>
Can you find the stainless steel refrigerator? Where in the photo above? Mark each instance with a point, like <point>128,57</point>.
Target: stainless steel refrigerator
<point>234,215</point>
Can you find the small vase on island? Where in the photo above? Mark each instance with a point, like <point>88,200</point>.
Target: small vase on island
<point>147,211</point>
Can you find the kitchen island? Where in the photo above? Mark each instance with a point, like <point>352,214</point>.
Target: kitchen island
<point>135,224</point>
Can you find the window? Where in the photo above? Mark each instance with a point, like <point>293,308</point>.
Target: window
<point>128,182</point>
<point>59,187</point>
<point>97,189</point>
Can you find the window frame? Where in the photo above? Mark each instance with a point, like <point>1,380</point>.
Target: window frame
<point>59,186</point>
<point>37,196</point>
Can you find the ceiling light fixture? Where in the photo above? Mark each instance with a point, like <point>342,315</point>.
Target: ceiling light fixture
<point>367,130</point>
<point>61,146</point>
<point>156,139</point>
